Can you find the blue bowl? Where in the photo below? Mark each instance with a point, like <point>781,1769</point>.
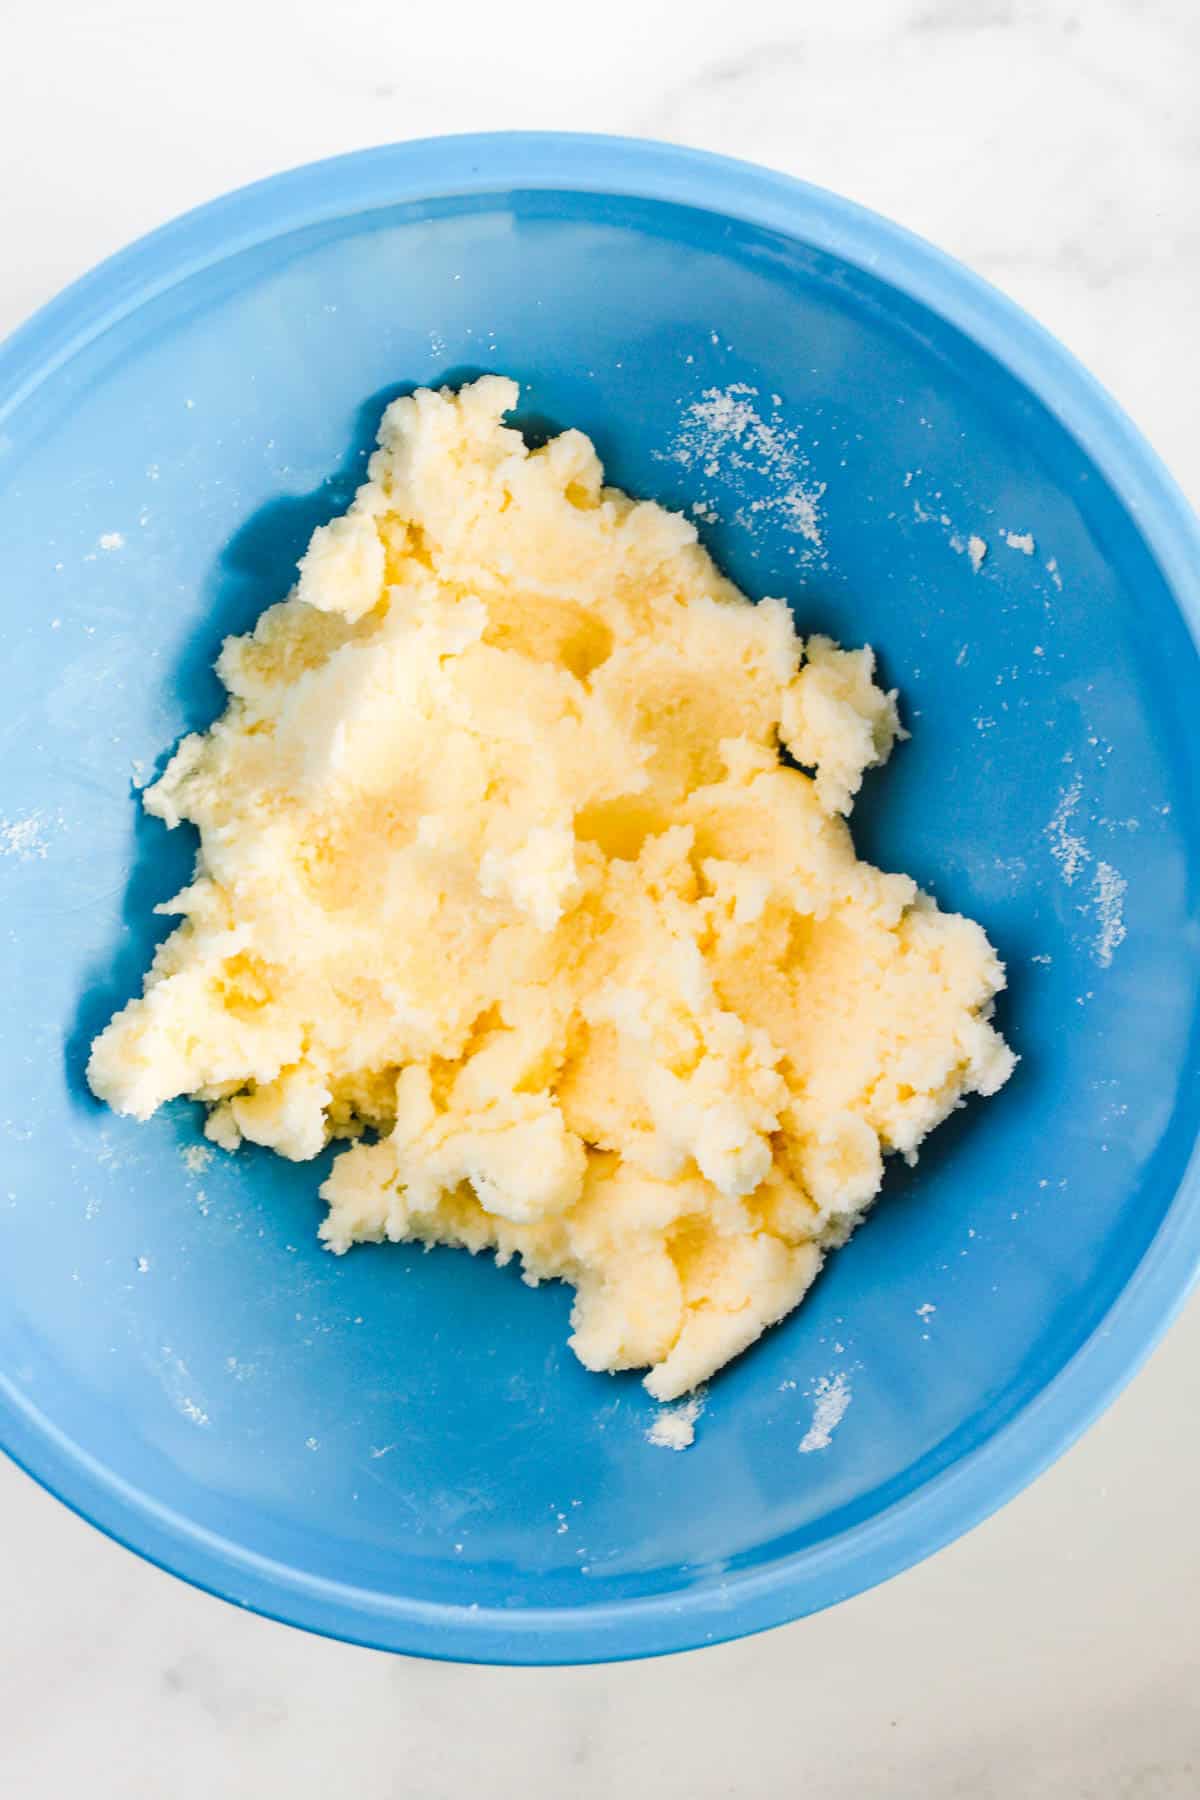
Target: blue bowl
<point>398,1448</point>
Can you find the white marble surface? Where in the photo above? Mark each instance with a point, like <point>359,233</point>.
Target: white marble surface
<point>1055,1653</point>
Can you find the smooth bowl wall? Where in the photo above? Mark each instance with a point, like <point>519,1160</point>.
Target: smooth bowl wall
<point>398,1447</point>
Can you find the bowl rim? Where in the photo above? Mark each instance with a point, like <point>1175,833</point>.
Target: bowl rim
<point>960,1496</point>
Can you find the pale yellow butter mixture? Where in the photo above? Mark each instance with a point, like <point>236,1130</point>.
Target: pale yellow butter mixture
<point>500,865</point>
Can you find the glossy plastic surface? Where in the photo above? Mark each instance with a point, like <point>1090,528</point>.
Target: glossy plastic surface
<point>399,1448</point>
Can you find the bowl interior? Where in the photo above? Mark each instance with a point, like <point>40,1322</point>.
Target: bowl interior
<point>394,1430</point>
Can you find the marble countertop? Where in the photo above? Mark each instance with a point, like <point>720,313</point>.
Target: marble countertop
<point>1056,148</point>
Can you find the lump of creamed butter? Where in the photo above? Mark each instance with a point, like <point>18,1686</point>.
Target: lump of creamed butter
<point>505,883</point>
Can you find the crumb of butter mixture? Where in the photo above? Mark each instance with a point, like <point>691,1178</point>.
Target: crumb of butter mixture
<point>502,875</point>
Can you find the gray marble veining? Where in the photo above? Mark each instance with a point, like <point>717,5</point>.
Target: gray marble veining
<point>1053,1654</point>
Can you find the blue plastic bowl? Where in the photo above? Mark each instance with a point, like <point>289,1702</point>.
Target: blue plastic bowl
<point>398,1448</point>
